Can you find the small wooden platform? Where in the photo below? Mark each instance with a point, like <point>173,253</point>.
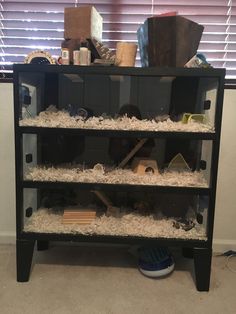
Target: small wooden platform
<point>78,216</point>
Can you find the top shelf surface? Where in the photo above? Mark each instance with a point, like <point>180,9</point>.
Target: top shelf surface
<point>114,70</point>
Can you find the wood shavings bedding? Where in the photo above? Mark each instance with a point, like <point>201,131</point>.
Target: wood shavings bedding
<point>54,118</point>
<point>130,224</point>
<point>116,176</point>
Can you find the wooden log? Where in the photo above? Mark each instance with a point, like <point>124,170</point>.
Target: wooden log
<point>111,210</point>
<point>80,214</point>
<point>102,196</point>
<point>132,152</point>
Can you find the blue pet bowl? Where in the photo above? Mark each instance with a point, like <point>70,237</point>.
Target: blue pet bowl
<point>155,262</point>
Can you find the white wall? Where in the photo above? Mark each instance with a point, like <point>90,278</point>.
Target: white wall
<point>7,166</point>
<point>225,218</point>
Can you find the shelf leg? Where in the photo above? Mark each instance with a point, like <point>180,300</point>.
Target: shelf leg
<point>202,265</point>
<point>24,254</point>
<point>42,245</point>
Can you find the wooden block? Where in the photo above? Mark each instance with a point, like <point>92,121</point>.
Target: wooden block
<point>78,219</point>
<point>79,222</point>
<point>143,166</point>
<point>100,51</point>
<point>82,22</point>
<point>79,213</point>
<point>178,163</point>
<point>78,216</point>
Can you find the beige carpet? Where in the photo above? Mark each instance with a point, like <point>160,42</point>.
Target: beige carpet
<point>105,280</point>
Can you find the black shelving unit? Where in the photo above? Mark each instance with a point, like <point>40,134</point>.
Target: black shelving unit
<point>180,89</point>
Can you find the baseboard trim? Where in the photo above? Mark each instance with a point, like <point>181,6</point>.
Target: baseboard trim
<point>7,238</point>
<point>221,246</point>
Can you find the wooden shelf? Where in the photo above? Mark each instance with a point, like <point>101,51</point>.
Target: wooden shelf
<point>116,133</point>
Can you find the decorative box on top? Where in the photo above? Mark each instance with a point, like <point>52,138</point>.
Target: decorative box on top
<point>83,21</point>
<point>168,40</point>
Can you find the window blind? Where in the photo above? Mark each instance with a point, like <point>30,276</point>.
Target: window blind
<point>29,25</point>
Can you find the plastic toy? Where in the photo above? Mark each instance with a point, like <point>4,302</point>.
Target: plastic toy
<point>178,163</point>
<point>197,117</point>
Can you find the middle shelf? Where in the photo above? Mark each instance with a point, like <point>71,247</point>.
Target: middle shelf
<point>178,134</point>
<point>125,163</point>
<point>121,187</point>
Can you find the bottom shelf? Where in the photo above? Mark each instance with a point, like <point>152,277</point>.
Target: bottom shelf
<point>129,224</point>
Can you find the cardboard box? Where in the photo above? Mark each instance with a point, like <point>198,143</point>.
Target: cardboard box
<point>168,41</point>
<point>82,22</point>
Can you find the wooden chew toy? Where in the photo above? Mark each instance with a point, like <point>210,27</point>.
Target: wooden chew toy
<point>132,152</point>
<point>78,216</point>
<point>111,210</point>
<point>101,52</point>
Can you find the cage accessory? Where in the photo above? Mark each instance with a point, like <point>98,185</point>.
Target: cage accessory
<point>101,54</point>
<point>111,210</point>
<point>178,163</point>
<point>74,111</point>
<point>155,262</point>
<point>184,224</point>
<point>76,60</point>
<point>81,216</point>
<point>143,166</point>
<point>198,61</point>
<point>65,56</point>
<point>25,101</point>
<point>24,93</point>
<point>84,56</point>
<point>125,54</point>
<point>70,45</point>
<point>39,57</point>
<point>132,152</point>
<point>196,117</point>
